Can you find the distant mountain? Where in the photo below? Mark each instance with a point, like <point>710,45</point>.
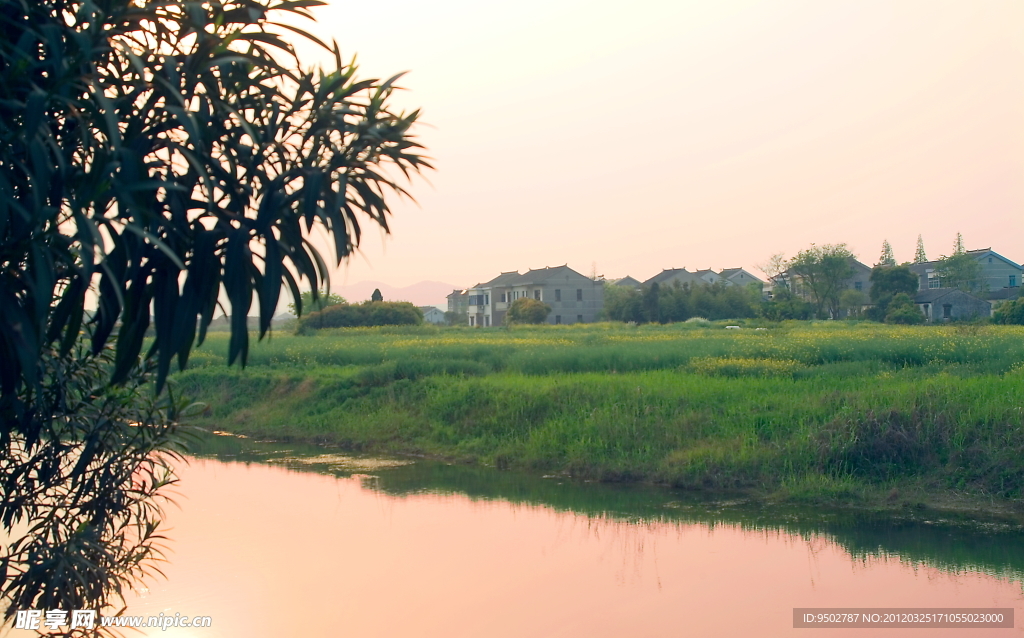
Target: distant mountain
<point>424,293</point>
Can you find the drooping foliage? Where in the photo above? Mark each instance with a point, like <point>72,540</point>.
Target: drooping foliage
<point>162,154</point>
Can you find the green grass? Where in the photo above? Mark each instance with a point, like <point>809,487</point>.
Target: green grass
<point>829,411</point>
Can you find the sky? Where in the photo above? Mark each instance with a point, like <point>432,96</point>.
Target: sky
<point>624,138</point>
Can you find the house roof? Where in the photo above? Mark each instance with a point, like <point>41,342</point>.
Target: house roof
<point>979,254</point>
<point>626,281</point>
<point>531,277</point>
<point>501,280</point>
<point>541,275</point>
<point>934,294</point>
<point>681,274</point>
<point>729,273</point>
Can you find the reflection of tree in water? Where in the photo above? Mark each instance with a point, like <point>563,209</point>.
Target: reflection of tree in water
<point>628,511</point>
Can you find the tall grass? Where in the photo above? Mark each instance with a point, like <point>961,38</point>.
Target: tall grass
<point>798,410</point>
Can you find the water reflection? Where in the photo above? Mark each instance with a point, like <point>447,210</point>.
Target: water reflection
<point>273,548</point>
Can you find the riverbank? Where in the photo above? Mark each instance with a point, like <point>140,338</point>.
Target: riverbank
<point>878,416</point>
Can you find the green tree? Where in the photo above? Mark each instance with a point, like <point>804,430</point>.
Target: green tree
<point>886,282</point>
<point>902,310</point>
<point>919,255</point>
<point>163,153</point>
<point>886,258</point>
<point>851,303</point>
<point>958,245</point>
<point>307,302</point>
<point>1010,312</point>
<point>527,310</point>
<point>651,303</point>
<point>822,272</point>
<point>785,304</point>
<point>961,271</point>
<point>376,296</point>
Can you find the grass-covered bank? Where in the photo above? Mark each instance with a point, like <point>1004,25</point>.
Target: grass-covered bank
<point>802,411</point>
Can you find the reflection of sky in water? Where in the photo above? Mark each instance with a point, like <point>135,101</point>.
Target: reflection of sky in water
<point>268,551</point>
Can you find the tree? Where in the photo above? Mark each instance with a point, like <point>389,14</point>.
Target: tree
<point>368,313</point>
<point>160,153</point>
<point>622,303</point>
<point>527,310</point>
<point>1010,312</point>
<point>902,310</point>
<point>886,258</point>
<point>376,296</point>
<point>958,245</point>
<point>851,302</point>
<point>776,269</point>
<point>961,271</point>
<point>784,305</point>
<point>919,256</point>
<point>652,310</point>
<point>822,272</point>
<point>314,302</point>
<point>887,282</point>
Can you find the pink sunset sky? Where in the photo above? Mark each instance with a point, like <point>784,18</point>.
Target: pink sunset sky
<point>693,134</point>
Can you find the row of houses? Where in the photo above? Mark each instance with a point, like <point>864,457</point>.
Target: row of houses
<point>999,280</point>
<point>671,276</point>
<point>576,298</point>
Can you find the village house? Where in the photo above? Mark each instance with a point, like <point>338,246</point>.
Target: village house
<point>458,301</point>
<point>574,298</point>
<point>997,273</point>
<point>432,314</point>
<point>728,277</point>
<point>950,304</point>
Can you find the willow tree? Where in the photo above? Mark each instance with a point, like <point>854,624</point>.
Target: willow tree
<point>156,156</point>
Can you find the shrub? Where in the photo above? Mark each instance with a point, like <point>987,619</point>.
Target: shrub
<point>902,310</point>
<point>527,310</point>
<point>1010,312</point>
<point>371,313</point>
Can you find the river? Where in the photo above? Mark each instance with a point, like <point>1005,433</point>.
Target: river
<point>283,540</point>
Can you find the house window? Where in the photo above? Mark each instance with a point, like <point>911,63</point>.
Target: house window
<point>558,319</point>
<point>579,318</point>
<point>579,294</point>
<point>487,300</point>
<point>934,282</point>
<point>927,314</point>
<point>1013,281</point>
<point>558,293</point>
<point>536,295</point>
<point>947,310</point>
<point>502,297</point>
<point>858,285</point>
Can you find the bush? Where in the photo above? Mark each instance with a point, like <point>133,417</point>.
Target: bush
<point>527,310</point>
<point>902,310</point>
<point>370,313</point>
<point>1010,312</point>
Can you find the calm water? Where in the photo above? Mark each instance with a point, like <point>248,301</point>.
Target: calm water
<point>272,540</point>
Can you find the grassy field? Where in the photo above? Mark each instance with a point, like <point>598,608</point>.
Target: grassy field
<point>829,411</point>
